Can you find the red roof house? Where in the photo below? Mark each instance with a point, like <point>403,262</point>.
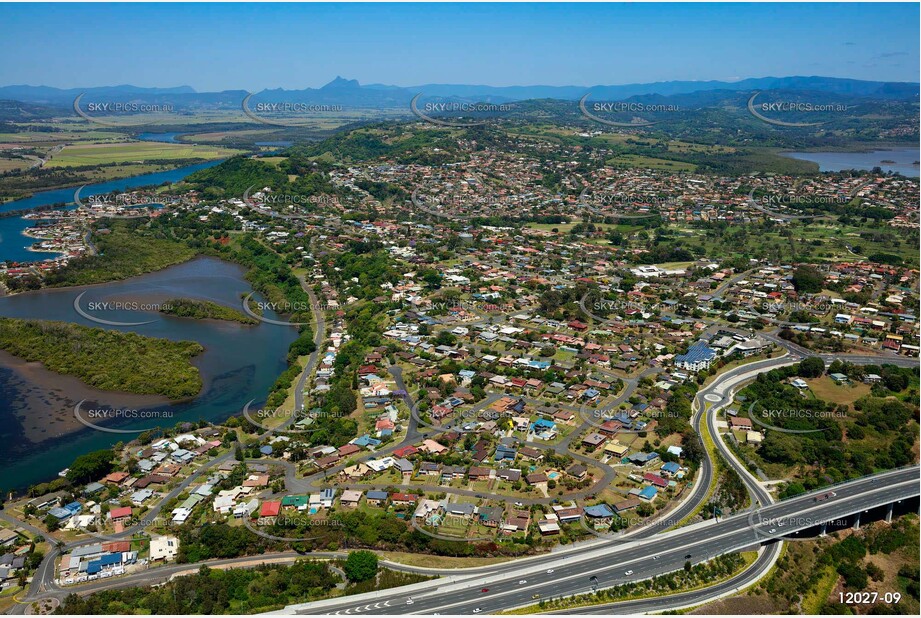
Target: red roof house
<point>270,508</point>
<point>121,512</point>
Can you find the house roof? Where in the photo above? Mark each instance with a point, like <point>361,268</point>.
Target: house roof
<point>270,508</point>
<point>123,511</point>
<point>599,510</point>
<point>294,500</point>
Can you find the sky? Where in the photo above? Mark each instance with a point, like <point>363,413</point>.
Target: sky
<point>254,46</point>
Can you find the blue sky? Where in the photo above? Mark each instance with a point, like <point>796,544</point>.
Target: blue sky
<point>256,46</point>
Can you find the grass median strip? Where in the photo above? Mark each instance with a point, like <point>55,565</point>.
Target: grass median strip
<point>710,447</point>
<point>697,577</point>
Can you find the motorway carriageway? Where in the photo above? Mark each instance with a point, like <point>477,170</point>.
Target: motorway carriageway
<point>662,554</point>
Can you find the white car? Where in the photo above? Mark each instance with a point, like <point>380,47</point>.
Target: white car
<point>522,581</point>
<point>549,571</point>
<point>477,610</point>
<point>409,601</point>
<point>772,530</point>
<point>628,573</point>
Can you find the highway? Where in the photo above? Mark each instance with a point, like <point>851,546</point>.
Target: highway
<point>610,562</point>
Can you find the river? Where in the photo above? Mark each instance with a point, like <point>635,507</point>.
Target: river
<point>167,138</point>
<point>14,245</point>
<point>903,160</point>
<point>38,428</point>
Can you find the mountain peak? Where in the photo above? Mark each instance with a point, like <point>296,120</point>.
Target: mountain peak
<point>341,82</point>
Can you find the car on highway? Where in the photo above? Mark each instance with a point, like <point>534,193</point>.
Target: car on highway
<point>687,557</point>
<point>535,596</point>
<point>409,601</point>
<point>549,571</point>
<point>772,530</point>
<point>485,590</point>
<point>477,610</point>
<point>628,573</point>
<point>522,581</point>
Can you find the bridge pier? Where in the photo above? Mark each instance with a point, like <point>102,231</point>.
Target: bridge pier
<point>857,521</point>
<point>824,529</point>
<point>889,513</point>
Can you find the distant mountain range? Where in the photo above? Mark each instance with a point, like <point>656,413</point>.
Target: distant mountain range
<point>350,93</point>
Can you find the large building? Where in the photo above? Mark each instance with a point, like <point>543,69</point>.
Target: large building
<point>699,357</point>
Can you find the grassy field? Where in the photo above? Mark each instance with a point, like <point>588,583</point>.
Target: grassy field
<point>8,165</point>
<point>218,136</point>
<point>629,161</point>
<point>826,389</point>
<point>99,154</point>
<point>8,598</point>
<point>125,170</point>
<point>439,562</point>
<point>67,133</point>
<point>273,160</point>
<point>680,146</point>
<point>674,265</point>
<point>817,240</point>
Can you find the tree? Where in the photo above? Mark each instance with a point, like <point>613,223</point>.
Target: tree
<point>445,338</point>
<point>361,566</point>
<point>894,379</point>
<point>807,279</point>
<point>90,467</point>
<point>812,367</point>
<point>52,522</point>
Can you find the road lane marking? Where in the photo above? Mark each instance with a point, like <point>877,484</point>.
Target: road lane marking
<point>857,504</point>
